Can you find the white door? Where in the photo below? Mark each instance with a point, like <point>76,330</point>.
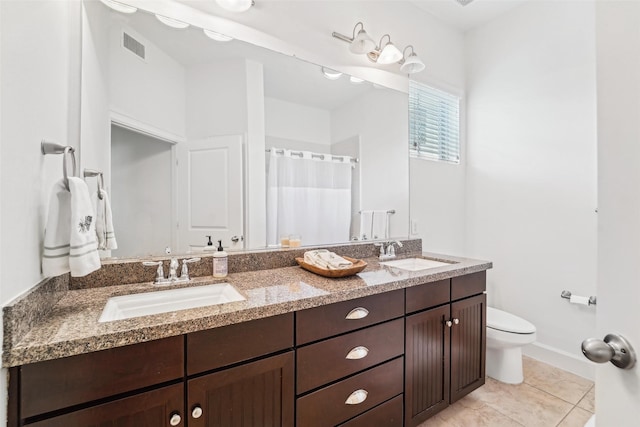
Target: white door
<point>210,192</point>
<point>618,309</point>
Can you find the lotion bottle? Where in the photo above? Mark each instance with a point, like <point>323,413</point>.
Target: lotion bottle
<point>220,261</point>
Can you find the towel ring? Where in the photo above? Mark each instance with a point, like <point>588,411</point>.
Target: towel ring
<point>100,175</point>
<point>52,148</point>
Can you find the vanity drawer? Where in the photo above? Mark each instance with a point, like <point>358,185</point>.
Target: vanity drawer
<point>389,414</point>
<point>60,383</point>
<point>468,285</point>
<point>321,322</point>
<point>215,348</point>
<point>426,296</point>
<point>327,361</point>
<point>328,406</point>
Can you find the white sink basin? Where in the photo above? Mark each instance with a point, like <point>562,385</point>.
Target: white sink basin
<point>414,264</point>
<point>135,305</point>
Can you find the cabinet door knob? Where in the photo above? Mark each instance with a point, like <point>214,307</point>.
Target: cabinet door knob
<point>175,419</point>
<point>357,313</point>
<point>449,323</point>
<point>357,397</point>
<point>359,352</point>
<point>456,321</point>
<point>196,412</point>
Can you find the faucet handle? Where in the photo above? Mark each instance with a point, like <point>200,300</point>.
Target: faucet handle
<point>159,270</point>
<point>184,273</point>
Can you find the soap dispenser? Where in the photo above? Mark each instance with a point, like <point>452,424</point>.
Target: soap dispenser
<point>209,246</point>
<point>220,261</point>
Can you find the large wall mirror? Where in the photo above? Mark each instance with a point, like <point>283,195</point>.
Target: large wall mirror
<point>198,137</point>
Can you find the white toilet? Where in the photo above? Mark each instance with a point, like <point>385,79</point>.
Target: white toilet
<point>506,334</point>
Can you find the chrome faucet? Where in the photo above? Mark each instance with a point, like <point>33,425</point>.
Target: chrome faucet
<point>388,252</point>
<point>173,271</point>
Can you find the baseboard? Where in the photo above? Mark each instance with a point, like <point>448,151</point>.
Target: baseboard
<point>561,359</point>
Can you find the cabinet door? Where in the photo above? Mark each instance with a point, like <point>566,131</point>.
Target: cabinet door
<point>427,364</point>
<point>154,408</point>
<point>468,345</point>
<point>257,394</point>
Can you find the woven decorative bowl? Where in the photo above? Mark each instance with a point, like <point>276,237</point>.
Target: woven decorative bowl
<point>358,266</point>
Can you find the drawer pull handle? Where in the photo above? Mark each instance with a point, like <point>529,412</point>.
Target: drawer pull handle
<point>175,419</point>
<point>357,313</point>
<point>357,397</point>
<point>196,412</point>
<point>356,353</point>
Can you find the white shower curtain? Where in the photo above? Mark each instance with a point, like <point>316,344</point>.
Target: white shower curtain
<point>308,196</point>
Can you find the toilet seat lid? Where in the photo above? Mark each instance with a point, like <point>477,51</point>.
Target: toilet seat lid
<point>507,322</point>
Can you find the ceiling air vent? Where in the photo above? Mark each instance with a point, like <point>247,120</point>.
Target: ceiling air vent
<point>133,45</point>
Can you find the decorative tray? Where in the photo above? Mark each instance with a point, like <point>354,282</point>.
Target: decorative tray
<point>358,266</point>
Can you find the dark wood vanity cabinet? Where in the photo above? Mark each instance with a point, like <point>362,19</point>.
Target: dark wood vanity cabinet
<point>444,346</point>
<point>356,364</point>
<point>387,360</point>
<point>256,394</point>
<point>225,376</point>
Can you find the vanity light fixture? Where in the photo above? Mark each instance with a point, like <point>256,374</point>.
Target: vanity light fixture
<point>411,64</point>
<point>384,53</point>
<point>173,23</point>
<point>120,7</point>
<point>236,5</point>
<point>217,36</point>
<point>331,74</point>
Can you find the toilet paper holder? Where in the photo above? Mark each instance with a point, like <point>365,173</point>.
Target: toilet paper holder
<point>567,295</point>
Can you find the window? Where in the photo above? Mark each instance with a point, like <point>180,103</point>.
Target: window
<point>434,123</point>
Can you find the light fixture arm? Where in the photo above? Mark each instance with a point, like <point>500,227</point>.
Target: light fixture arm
<point>380,47</point>
<point>405,51</point>
<point>355,28</point>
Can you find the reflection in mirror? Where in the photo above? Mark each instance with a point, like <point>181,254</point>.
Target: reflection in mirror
<point>234,141</point>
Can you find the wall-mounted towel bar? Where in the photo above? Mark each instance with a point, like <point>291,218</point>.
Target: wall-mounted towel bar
<point>578,299</point>
<point>48,147</point>
<point>90,173</point>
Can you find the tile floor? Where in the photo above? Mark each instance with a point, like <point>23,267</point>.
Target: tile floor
<point>549,397</point>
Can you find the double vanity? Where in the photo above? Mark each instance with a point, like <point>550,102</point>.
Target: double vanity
<point>390,346</point>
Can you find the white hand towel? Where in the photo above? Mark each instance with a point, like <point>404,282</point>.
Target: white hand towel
<point>325,259</point>
<point>83,254</point>
<point>379,225</point>
<point>366,221</point>
<point>57,234</point>
<point>104,222</point>
<point>69,240</point>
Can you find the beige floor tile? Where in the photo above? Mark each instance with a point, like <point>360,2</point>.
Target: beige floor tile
<point>523,403</point>
<point>576,418</point>
<point>459,415</point>
<point>557,382</point>
<point>588,401</point>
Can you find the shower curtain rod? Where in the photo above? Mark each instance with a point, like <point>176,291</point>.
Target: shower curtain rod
<point>317,155</point>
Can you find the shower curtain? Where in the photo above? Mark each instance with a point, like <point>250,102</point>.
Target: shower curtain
<point>308,196</point>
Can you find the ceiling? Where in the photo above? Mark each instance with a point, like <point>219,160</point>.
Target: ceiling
<point>466,17</point>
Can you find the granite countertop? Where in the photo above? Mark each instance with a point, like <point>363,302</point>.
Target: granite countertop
<point>71,327</point>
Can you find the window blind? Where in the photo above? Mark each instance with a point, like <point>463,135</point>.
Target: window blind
<point>434,124</point>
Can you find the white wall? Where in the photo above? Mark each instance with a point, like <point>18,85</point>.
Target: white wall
<point>297,122</point>
<point>152,91</point>
<point>40,87</point>
<point>531,171</point>
<point>217,99</point>
<point>143,222</point>
<point>384,152</point>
